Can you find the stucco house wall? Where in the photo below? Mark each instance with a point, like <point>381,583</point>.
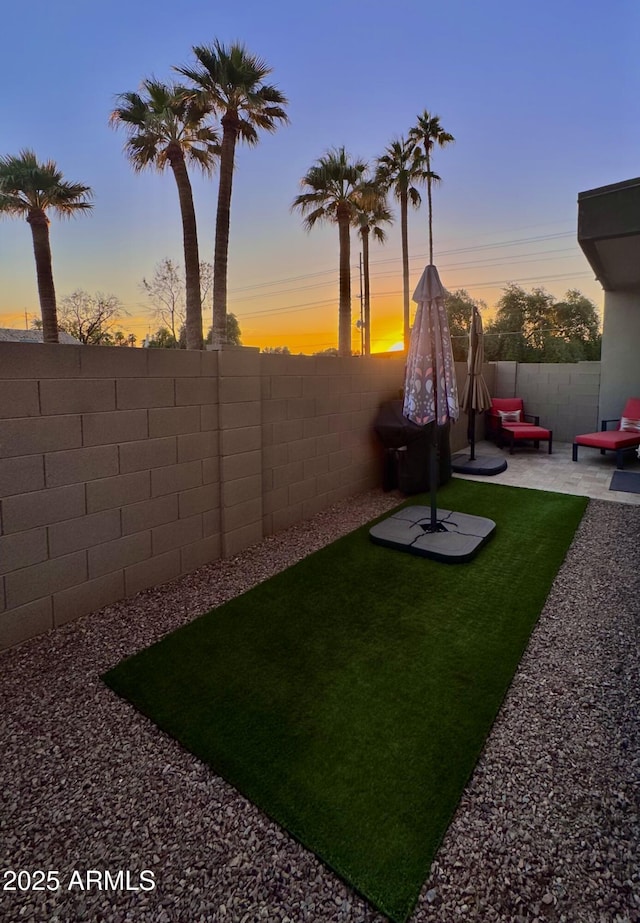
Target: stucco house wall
<point>620,378</point>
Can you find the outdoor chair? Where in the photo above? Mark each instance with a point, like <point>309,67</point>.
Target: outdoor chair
<point>625,436</point>
<point>507,422</point>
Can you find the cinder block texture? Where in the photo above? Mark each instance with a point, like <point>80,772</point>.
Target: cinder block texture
<point>79,600</point>
<point>174,478</point>
<point>119,553</point>
<point>67,396</point>
<point>22,549</point>
<point>42,507</point>
<point>39,360</point>
<point>26,436</point>
<point>171,421</point>
<point>119,491</point>
<point>20,475</point>
<point>114,427</point>
<point>153,572</point>
<point>39,580</point>
<point>122,469</point>
<point>107,362</point>
<point>195,391</point>
<point>19,399</point>
<point>152,453</point>
<point>237,540</point>
<point>564,395</point>
<point>76,534</point>
<point>198,553</point>
<point>134,393</point>
<point>173,363</point>
<point>149,513</point>
<point>79,465</point>
<point>176,534</point>
<point>25,622</point>
<point>198,500</point>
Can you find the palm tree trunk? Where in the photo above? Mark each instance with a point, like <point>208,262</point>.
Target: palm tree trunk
<point>426,146</point>
<point>404,208</point>
<point>46,289</point>
<point>367,292</point>
<point>229,134</point>
<point>190,245</point>
<point>344,325</point>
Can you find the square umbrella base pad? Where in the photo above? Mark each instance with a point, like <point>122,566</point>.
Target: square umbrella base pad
<point>483,464</point>
<point>461,538</point>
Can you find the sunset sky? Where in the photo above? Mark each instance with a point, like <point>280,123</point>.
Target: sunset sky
<point>542,98</point>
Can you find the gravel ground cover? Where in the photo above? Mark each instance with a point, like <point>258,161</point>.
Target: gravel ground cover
<point>546,830</point>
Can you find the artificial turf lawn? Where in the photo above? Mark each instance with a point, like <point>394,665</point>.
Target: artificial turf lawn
<point>350,696</point>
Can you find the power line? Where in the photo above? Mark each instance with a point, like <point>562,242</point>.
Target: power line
<point>491,261</point>
<point>308,305</point>
<point>420,256</point>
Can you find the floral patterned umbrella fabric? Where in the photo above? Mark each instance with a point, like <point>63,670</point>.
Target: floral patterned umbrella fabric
<point>430,390</point>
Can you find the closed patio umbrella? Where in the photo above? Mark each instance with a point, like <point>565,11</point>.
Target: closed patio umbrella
<point>475,394</point>
<point>430,391</point>
<point>431,397</point>
<point>475,399</point>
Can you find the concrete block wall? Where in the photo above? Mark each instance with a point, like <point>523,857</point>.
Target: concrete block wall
<point>564,395</point>
<point>109,481</point>
<point>318,441</point>
<point>121,469</point>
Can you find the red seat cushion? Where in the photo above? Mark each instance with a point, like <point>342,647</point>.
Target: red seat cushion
<point>526,431</point>
<point>506,403</point>
<point>609,439</point>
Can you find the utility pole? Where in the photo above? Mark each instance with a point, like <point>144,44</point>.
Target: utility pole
<point>361,324</point>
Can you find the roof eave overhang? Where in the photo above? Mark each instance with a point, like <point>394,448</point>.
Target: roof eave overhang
<point>609,234</point>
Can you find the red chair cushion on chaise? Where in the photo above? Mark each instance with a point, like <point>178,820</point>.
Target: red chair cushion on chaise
<point>609,439</point>
<point>615,438</point>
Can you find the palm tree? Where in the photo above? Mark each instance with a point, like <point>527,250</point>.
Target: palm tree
<point>333,187</point>
<point>402,165</point>
<point>371,213</point>
<point>165,125</point>
<point>28,189</point>
<point>230,80</point>
<point>428,132</point>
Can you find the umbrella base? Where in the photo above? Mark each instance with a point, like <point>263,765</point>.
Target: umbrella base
<point>461,538</point>
<point>461,463</point>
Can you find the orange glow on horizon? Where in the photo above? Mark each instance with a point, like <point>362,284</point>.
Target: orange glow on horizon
<point>305,331</point>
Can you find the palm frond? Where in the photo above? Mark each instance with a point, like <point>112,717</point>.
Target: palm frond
<point>399,167</point>
<point>230,80</point>
<point>414,197</point>
<point>428,131</point>
<point>26,184</point>
<point>333,182</point>
<point>163,115</point>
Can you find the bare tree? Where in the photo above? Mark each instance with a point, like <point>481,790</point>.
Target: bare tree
<point>165,290</point>
<point>90,318</point>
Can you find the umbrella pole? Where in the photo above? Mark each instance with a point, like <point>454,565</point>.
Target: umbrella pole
<point>472,431</point>
<point>433,476</point>
<point>473,346</point>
